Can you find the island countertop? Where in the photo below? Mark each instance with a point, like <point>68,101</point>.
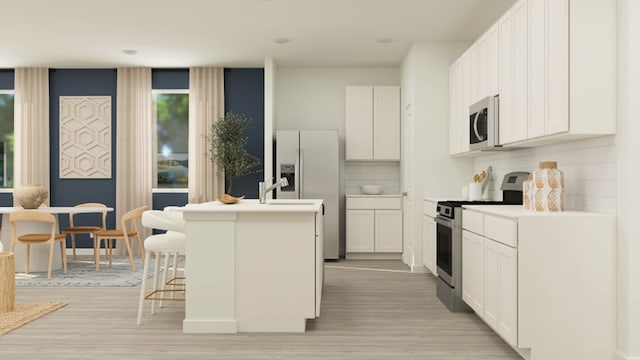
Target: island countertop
<point>252,205</point>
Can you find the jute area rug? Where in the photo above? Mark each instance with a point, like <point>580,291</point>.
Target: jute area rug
<point>24,313</point>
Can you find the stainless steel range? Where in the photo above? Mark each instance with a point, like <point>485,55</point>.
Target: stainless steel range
<point>449,240</point>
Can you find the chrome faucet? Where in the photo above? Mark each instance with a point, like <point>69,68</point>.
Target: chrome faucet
<point>263,189</point>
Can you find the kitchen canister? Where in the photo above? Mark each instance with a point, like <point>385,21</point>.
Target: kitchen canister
<point>528,193</point>
<point>548,187</point>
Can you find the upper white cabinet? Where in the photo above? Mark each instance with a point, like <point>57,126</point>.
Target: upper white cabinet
<point>472,77</point>
<point>553,67</point>
<point>457,113</point>
<point>372,128</point>
<point>559,89</point>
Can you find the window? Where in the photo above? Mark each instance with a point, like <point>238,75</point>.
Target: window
<point>6,138</point>
<point>171,141</point>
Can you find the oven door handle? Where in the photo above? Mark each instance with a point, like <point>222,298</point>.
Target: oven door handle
<point>444,222</point>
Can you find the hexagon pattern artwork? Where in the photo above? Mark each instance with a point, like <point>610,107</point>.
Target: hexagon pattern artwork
<point>85,137</point>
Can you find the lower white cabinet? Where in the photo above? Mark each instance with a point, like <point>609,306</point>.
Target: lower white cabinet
<point>542,281</point>
<point>373,225</point>
<point>489,274</point>
<point>429,235</point>
<point>472,271</point>
<point>388,231</point>
<point>501,289</point>
<point>507,293</point>
<point>360,230</point>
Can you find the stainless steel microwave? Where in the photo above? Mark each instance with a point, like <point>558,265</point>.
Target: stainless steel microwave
<point>483,124</point>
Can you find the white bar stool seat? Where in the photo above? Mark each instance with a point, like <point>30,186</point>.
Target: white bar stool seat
<point>171,243</point>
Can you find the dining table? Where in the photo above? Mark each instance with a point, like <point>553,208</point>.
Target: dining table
<point>39,252</point>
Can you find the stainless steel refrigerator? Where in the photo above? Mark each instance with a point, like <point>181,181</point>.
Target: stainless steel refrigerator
<point>309,161</point>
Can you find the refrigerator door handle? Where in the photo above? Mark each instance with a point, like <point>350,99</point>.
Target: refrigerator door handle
<point>301,192</point>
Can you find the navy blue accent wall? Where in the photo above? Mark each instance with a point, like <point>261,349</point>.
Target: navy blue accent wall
<point>160,200</point>
<point>165,79</point>
<point>244,94</point>
<point>6,199</point>
<point>7,79</point>
<point>70,192</point>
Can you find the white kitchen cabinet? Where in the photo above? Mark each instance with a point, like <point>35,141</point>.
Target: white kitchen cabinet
<point>493,60</point>
<point>546,276</point>
<point>514,74</point>
<point>359,122</point>
<point>558,90</point>
<point>456,120</point>
<point>360,230</point>
<point>539,58</point>
<point>505,26</point>
<point>473,271</point>
<point>372,129</point>
<point>489,271</point>
<point>429,235</point>
<point>387,237</point>
<point>507,271</point>
<point>490,315</point>
<point>373,227</point>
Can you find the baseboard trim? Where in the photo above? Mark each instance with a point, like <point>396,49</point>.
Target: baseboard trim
<point>83,251</point>
<point>419,269</point>
<point>373,256</point>
<point>624,357</point>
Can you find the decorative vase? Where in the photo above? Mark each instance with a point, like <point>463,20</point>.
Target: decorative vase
<point>30,196</point>
<point>548,185</point>
<point>527,192</point>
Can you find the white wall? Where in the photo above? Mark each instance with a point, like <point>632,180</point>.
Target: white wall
<point>589,168</point>
<point>383,173</point>
<point>427,167</point>
<point>311,98</point>
<point>627,181</point>
<point>269,125</point>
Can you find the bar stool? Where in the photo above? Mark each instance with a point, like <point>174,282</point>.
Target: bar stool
<point>171,243</point>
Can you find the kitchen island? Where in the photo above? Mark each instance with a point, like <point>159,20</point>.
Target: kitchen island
<point>253,267</point>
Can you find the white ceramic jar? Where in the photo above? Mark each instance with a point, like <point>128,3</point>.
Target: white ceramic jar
<point>548,185</point>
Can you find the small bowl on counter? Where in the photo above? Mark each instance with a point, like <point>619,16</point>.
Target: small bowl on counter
<point>372,189</point>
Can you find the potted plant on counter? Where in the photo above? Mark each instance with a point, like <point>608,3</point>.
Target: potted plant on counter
<point>227,141</point>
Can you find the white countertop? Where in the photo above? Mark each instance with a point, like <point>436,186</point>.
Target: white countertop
<point>440,198</point>
<point>373,196</point>
<point>252,205</point>
<point>517,211</point>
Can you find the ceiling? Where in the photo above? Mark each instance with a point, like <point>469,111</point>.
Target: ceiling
<point>171,33</point>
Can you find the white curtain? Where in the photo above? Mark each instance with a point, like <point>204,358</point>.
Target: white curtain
<point>134,144</point>
<point>206,105</point>
<point>31,132</point>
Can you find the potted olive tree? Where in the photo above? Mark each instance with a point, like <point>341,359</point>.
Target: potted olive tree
<point>227,141</point>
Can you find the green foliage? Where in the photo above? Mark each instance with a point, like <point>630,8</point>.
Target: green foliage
<point>227,147</point>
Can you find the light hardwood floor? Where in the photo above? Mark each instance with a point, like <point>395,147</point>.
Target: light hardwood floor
<point>370,310</point>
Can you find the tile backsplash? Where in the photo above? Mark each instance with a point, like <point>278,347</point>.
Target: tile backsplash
<point>385,173</point>
<point>589,167</point>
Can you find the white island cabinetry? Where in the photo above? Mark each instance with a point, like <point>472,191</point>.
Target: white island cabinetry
<point>236,282</point>
<point>544,277</point>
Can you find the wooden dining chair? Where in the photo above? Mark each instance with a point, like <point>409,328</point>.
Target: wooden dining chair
<point>129,229</point>
<point>41,238</point>
<point>74,228</point>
